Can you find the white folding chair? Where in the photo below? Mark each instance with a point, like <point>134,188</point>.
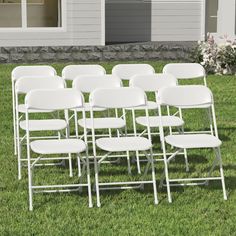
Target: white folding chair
<point>185,71</point>
<point>33,71</point>
<point>121,98</point>
<point>56,99</point>
<point>127,71</point>
<point>70,72</point>
<point>86,84</point>
<point>22,86</point>
<point>186,97</point>
<point>152,84</point>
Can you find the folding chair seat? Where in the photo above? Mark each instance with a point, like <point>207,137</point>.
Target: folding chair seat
<point>44,125</point>
<point>86,84</point>
<point>190,97</point>
<point>21,71</point>
<point>167,121</point>
<point>121,98</point>
<point>193,141</point>
<point>103,123</point>
<point>124,144</point>
<point>22,109</point>
<point>60,100</point>
<point>62,146</point>
<point>22,86</point>
<point>152,84</point>
<point>70,72</point>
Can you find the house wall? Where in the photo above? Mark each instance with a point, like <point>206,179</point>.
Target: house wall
<point>128,21</point>
<point>174,20</point>
<point>82,27</point>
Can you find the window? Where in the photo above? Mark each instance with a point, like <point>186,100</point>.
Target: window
<point>211,15</point>
<point>30,13</point>
<point>10,13</point>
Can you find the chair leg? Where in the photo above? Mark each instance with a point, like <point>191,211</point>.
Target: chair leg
<point>89,181</point>
<point>167,181</point>
<point>79,166</point>
<point>18,150</point>
<point>19,160</point>
<point>14,118</point>
<point>185,153</point>
<point>30,186</point>
<point>97,182</point>
<point>76,127</point>
<point>222,173</point>
<point>15,140</point>
<point>154,179</point>
<point>138,162</point>
<point>186,160</point>
<point>128,161</point>
<point>70,165</point>
<point>210,119</point>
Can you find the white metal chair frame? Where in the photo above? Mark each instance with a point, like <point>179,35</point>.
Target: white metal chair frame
<point>196,96</point>
<point>61,99</point>
<point>20,71</point>
<point>120,98</point>
<point>152,83</point>
<point>22,86</point>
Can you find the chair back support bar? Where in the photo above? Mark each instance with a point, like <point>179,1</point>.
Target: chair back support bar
<point>54,99</point>
<point>118,98</point>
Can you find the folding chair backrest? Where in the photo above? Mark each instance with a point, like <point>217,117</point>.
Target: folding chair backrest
<point>127,71</point>
<point>187,96</point>
<point>35,71</point>
<point>72,71</point>
<point>28,83</point>
<point>185,70</point>
<point>54,99</point>
<point>152,83</point>
<point>118,98</point>
<point>88,83</point>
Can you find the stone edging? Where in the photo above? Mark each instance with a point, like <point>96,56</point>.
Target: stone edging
<point>118,52</point>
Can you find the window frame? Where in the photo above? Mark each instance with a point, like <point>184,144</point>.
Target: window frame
<point>25,28</point>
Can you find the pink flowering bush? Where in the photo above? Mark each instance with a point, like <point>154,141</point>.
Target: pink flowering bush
<point>217,58</point>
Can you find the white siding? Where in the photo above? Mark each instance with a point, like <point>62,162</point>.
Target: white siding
<point>174,20</point>
<point>83,27</point>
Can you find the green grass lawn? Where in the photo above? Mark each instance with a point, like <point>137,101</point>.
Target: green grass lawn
<point>194,211</point>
